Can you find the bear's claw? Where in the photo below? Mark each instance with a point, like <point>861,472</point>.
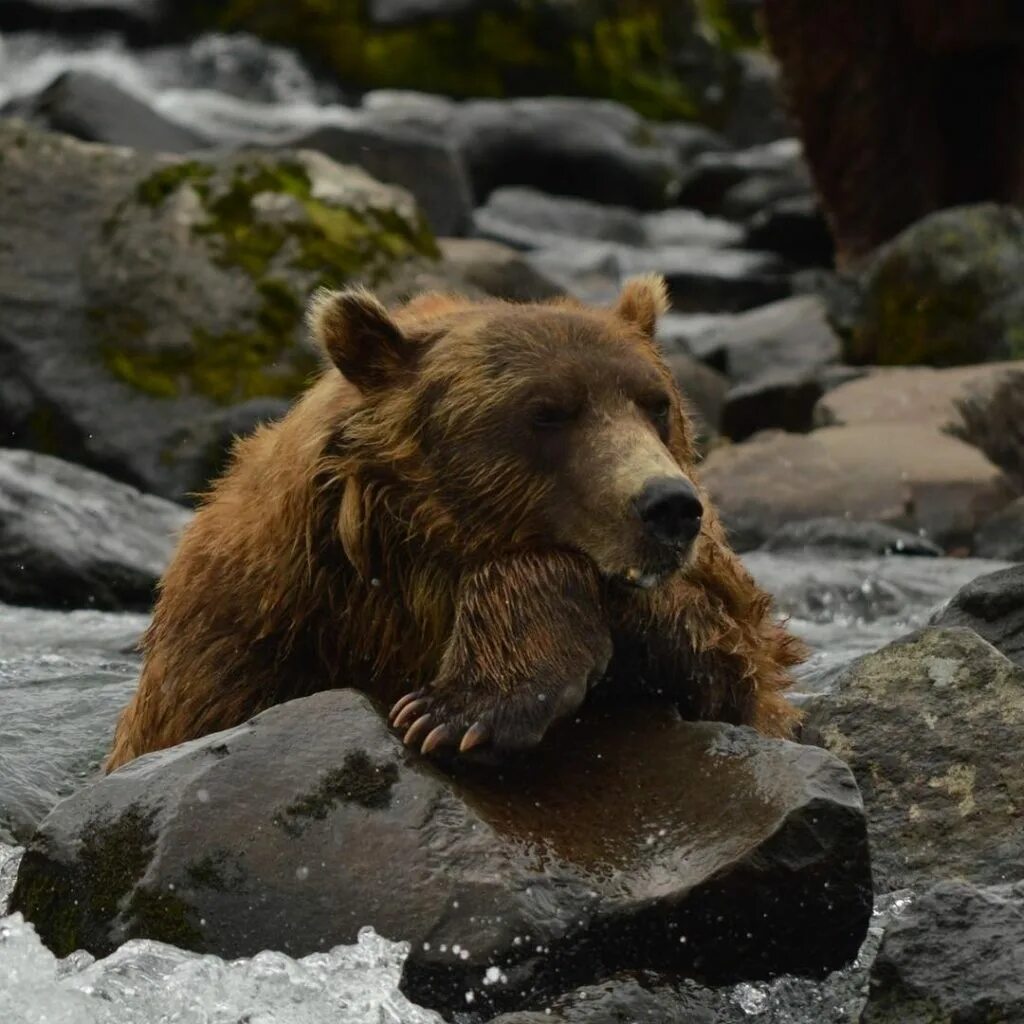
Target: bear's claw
<point>411,711</point>
<point>476,734</point>
<point>417,729</point>
<point>438,735</point>
<point>402,702</point>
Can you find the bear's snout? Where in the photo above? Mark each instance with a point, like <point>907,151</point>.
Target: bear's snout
<point>670,510</point>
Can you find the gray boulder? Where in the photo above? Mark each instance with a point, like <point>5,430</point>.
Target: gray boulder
<point>147,304</point>
<point>779,400</point>
<point>95,109</point>
<point>1002,536</point>
<point>993,606</point>
<point>789,336</point>
<point>742,181</point>
<point>592,149</point>
<point>72,538</point>
<point>529,219</point>
<point>496,270</point>
<point>710,279</point>
<point>932,727</point>
<point>632,840</point>
<point>795,228</point>
<point>945,291</point>
<point>957,955</point>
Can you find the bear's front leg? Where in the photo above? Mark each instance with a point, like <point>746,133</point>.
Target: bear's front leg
<point>530,637</point>
<point>707,639</point>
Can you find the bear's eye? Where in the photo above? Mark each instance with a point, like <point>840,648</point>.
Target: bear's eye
<point>552,415</point>
<point>658,410</point>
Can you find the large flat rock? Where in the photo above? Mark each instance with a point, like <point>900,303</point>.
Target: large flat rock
<point>631,840</point>
<point>910,476</point>
<point>933,728</point>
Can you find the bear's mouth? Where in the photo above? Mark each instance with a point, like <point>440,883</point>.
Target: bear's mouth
<point>646,578</point>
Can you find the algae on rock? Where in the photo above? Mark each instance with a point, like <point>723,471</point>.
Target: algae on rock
<point>626,50</point>
<point>946,291</point>
<point>271,239</point>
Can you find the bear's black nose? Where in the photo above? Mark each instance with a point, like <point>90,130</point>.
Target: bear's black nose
<point>670,509</point>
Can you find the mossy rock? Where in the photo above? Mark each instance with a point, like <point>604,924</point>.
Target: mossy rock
<point>625,50</point>
<point>151,308</point>
<point>200,280</point>
<point>948,290</point>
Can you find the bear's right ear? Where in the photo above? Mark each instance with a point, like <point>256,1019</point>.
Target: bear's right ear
<point>362,340</point>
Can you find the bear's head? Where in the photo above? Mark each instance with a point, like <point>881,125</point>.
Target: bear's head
<point>490,426</point>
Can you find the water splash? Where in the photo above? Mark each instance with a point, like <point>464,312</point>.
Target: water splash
<point>143,982</point>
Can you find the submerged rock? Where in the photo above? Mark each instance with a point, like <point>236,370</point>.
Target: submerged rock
<point>993,606</point>
<point>632,840</point>
<point>933,726</point>
<point>957,954</point>
<point>72,538</point>
<point>144,300</point>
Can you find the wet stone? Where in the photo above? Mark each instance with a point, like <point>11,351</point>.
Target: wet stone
<point>932,726</point>
<point>632,841</point>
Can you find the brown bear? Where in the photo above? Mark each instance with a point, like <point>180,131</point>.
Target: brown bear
<point>480,510</point>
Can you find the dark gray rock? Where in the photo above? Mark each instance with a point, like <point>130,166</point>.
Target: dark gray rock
<point>588,270</point>
<point>689,140</point>
<point>791,336</point>
<point>932,727</point>
<point>746,179</point>
<point>945,291</point>
<point>428,167</point>
<point>691,228</point>
<point>135,313</point>
<point>1002,536</point>
<point>496,270</point>
<point>712,280</point>
<point>848,538</point>
<point>704,391</point>
<point>65,677</point>
<point>992,414</point>
<point>633,840</point>
<point>956,955</point>
<point>993,606</point>
<point>529,219</point>
<point>755,113</point>
<point>778,399</point>
<point>592,149</point>
<point>71,538</point>
<point>139,20</point>
<point>92,108</point>
<point>795,228</point>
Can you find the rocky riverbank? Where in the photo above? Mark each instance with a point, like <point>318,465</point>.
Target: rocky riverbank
<point>165,209</point>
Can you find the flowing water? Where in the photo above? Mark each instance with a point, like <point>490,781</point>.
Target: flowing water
<point>64,676</point>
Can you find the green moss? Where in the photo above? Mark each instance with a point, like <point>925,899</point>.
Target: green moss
<point>328,245</point>
<point>944,292</point>
<point>73,907</point>
<point>617,49</point>
<point>734,26</point>
<point>221,871</point>
<point>152,191</point>
<point>358,781</point>
<point>163,917</point>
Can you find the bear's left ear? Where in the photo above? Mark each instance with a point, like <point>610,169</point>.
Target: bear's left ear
<point>362,340</point>
<point>642,301</point>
